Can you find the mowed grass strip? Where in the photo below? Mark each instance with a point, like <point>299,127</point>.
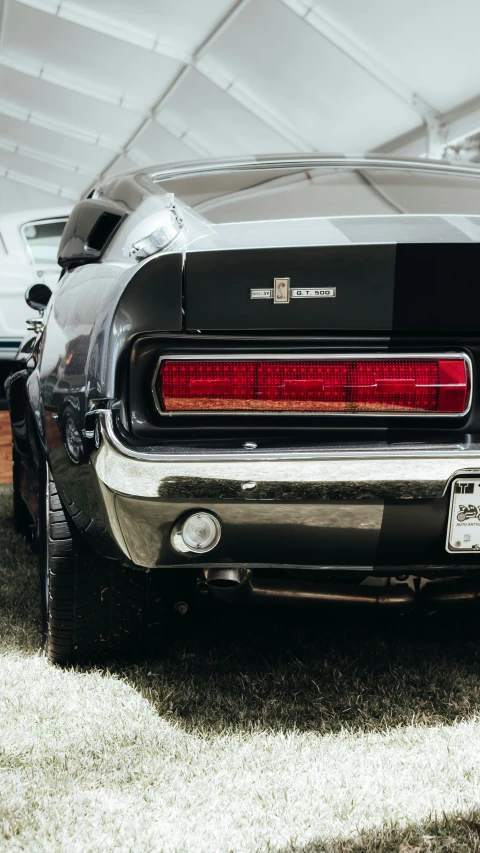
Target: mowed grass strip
<point>283,731</point>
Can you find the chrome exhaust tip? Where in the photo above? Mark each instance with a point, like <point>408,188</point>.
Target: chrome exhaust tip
<point>225,584</point>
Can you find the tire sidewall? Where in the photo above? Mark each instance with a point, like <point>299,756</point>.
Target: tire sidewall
<point>43,547</point>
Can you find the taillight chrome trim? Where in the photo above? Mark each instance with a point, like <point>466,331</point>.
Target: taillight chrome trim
<point>428,356</point>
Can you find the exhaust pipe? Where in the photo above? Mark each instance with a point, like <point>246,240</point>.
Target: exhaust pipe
<point>226,584</point>
<point>395,597</point>
<point>451,592</point>
<point>237,585</point>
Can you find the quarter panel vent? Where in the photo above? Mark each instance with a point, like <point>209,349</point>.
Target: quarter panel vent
<point>103,230</point>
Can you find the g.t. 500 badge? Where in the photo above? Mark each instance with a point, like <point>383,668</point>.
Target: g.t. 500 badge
<point>282,292</point>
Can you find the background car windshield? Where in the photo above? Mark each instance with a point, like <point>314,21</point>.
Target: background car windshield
<point>43,239</point>
<point>261,194</point>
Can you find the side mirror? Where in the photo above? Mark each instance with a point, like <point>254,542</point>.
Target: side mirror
<point>37,296</point>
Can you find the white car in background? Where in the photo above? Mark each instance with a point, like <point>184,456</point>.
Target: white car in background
<point>29,243</point>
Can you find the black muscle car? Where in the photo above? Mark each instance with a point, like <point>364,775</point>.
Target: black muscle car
<point>255,383</point>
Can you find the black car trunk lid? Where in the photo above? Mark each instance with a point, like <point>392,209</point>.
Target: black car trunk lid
<point>323,287</point>
<point>430,287</point>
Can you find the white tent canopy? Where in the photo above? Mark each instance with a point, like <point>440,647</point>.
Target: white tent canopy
<point>90,87</point>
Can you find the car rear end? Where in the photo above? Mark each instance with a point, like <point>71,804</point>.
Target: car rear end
<point>304,424</point>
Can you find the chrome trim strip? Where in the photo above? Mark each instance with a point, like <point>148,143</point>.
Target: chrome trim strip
<point>288,567</point>
<point>323,357</point>
<point>455,452</point>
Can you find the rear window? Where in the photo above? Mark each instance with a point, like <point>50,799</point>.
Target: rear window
<point>43,239</point>
<point>243,195</point>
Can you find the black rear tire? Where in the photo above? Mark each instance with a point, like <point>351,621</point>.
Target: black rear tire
<point>92,607</point>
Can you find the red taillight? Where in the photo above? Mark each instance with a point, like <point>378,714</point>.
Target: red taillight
<point>375,385</point>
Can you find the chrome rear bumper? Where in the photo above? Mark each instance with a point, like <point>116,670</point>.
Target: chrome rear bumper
<point>421,471</point>
<point>330,501</point>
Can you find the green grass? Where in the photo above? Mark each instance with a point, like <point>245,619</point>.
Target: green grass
<point>251,732</point>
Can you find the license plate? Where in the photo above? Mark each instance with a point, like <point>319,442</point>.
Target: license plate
<point>464,517</point>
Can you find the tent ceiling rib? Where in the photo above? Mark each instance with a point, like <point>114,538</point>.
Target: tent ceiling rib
<point>87,88</point>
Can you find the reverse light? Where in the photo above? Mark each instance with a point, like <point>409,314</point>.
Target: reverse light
<point>199,533</point>
<point>376,385</point>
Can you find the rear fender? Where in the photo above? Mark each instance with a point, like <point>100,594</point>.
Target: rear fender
<point>26,439</point>
<point>18,405</point>
<point>34,406</point>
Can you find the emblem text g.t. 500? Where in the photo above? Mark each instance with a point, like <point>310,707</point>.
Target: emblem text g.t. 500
<point>282,292</point>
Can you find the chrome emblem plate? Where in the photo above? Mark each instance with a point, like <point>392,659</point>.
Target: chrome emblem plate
<point>282,293</point>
